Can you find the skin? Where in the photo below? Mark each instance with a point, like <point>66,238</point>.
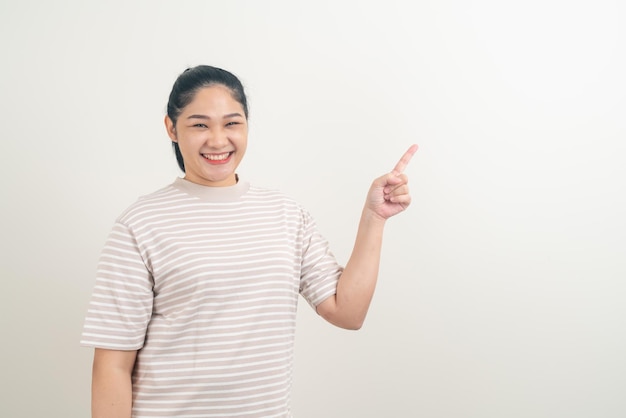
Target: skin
<point>111,387</point>
<point>214,125</point>
<point>387,196</point>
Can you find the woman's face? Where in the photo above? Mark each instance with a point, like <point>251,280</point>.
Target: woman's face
<point>212,134</point>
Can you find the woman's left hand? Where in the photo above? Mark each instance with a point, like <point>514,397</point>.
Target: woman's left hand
<point>389,194</point>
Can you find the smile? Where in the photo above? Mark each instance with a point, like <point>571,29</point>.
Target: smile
<point>217,157</point>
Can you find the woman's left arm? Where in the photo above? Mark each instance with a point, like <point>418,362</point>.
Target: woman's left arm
<point>388,196</point>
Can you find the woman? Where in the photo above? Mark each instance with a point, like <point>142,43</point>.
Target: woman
<point>194,307</point>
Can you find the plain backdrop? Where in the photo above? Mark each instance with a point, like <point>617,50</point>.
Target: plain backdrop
<point>502,289</point>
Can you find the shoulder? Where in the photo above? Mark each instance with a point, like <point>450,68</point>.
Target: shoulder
<point>158,201</point>
<point>279,202</point>
<point>266,192</point>
<point>272,195</point>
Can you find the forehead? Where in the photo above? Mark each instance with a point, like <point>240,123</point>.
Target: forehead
<point>214,99</point>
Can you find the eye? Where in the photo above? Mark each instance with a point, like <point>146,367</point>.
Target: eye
<point>232,123</point>
<point>199,125</point>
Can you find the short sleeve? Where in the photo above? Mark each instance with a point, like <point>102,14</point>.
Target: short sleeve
<point>319,270</point>
<point>121,304</point>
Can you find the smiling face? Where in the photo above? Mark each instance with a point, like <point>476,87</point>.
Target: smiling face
<point>212,134</point>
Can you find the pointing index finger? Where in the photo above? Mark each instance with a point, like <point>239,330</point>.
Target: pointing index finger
<point>404,161</point>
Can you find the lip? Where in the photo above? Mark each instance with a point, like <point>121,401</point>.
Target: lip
<point>217,162</point>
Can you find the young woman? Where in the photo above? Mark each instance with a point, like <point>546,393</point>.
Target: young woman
<point>194,307</point>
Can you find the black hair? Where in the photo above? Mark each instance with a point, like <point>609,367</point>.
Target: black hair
<point>187,85</point>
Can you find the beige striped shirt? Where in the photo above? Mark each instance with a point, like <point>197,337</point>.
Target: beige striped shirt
<point>204,282</point>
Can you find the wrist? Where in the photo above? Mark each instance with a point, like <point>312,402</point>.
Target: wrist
<point>370,217</point>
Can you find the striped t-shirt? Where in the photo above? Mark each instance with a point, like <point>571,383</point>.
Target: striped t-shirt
<point>204,282</point>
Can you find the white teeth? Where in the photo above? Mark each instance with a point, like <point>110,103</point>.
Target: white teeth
<point>216,157</point>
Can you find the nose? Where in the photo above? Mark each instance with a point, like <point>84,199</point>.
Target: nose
<point>217,138</point>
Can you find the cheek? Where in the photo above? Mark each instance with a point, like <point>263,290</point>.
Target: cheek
<point>191,139</point>
<point>241,136</point>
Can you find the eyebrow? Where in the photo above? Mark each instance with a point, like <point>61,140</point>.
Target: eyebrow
<point>205,117</point>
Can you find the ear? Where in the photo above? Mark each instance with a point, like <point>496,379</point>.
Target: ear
<point>171,129</point>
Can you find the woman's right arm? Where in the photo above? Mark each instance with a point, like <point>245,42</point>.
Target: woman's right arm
<point>111,385</point>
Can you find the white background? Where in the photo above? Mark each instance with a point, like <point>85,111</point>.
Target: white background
<point>502,289</point>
